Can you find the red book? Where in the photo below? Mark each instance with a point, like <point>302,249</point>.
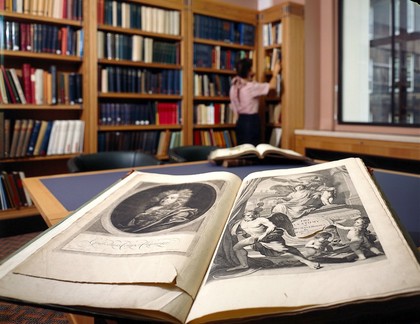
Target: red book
<point>32,79</point>
<point>23,28</point>
<point>14,190</point>
<point>64,35</point>
<point>65,14</point>
<point>100,11</point>
<point>2,7</point>
<point>217,114</point>
<point>27,84</point>
<point>30,37</point>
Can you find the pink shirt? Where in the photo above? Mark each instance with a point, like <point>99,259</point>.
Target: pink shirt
<point>244,95</point>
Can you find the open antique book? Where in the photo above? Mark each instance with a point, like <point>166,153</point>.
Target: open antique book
<point>252,154</point>
<point>210,247</point>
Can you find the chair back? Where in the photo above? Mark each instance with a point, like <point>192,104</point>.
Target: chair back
<point>110,160</point>
<point>190,153</point>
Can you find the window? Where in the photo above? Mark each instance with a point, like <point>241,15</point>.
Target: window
<point>379,62</point>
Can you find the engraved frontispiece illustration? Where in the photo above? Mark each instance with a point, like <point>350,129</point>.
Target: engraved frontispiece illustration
<point>305,222</point>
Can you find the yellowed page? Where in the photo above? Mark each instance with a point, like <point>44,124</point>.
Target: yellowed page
<point>278,261</point>
<point>145,243</point>
<point>233,152</point>
<point>263,148</point>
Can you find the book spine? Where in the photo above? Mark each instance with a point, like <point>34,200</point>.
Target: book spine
<point>2,135</point>
<point>9,90</point>
<point>17,86</point>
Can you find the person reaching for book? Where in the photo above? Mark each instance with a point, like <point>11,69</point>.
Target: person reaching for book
<point>244,100</point>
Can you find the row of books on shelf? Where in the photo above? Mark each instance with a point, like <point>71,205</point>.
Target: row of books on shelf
<point>140,113</point>
<point>220,138</point>
<point>217,57</point>
<point>211,84</point>
<point>132,15</point>
<point>59,9</point>
<point>41,38</point>
<point>153,142</point>
<point>134,80</point>
<point>37,86</point>
<point>272,34</point>
<point>12,193</point>
<point>29,137</point>
<point>137,48</point>
<point>219,29</point>
<point>214,113</point>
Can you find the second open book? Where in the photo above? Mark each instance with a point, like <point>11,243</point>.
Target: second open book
<point>212,247</point>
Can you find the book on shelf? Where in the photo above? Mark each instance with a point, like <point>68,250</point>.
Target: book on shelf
<point>2,135</point>
<point>40,138</point>
<point>283,243</point>
<point>17,85</point>
<point>17,127</point>
<point>255,154</point>
<point>275,137</point>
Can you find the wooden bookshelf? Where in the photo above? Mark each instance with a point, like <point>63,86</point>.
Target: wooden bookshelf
<point>34,41</point>
<point>291,45</point>
<point>212,62</point>
<point>109,57</point>
<point>90,62</point>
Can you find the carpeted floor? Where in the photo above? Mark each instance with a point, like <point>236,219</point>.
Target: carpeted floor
<point>11,313</point>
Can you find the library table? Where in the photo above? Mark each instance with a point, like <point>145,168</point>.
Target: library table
<point>58,195</point>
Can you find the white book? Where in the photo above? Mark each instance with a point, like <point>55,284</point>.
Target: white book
<point>3,92</point>
<point>143,17</point>
<point>114,13</point>
<point>177,23</point>
<point>125,15</point>
<point>62,135</point>
<point>78,137</point>
<point>19,6</point>
<point>52,144</point>
<point>275,137</point>
<point>148,50</point>
<point>100,39</point>
<point>69,138</point>
<point>137,48</point>
<point>57,9</point>
<point>104,80</point>
<point>161,17</point>
<point>39,86</point>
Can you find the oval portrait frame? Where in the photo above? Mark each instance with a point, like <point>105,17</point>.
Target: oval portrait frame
<point>203,197</point>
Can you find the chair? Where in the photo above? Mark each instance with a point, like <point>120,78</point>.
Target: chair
<point>110,160</point>
<point>190,153</point>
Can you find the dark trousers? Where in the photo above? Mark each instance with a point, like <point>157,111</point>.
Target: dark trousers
<point>248,129</point>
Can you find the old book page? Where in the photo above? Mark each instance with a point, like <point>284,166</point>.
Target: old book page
<point>108,252</point>
<point>306,238</point>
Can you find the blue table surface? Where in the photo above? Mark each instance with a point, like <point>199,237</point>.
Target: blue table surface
<point>401,191</point>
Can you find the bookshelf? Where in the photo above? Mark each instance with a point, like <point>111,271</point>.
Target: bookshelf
<point>140,62</point>
<point>42,67</point>
<point>128,115</point>
<point>281,30</point>
<point>220,34</point>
